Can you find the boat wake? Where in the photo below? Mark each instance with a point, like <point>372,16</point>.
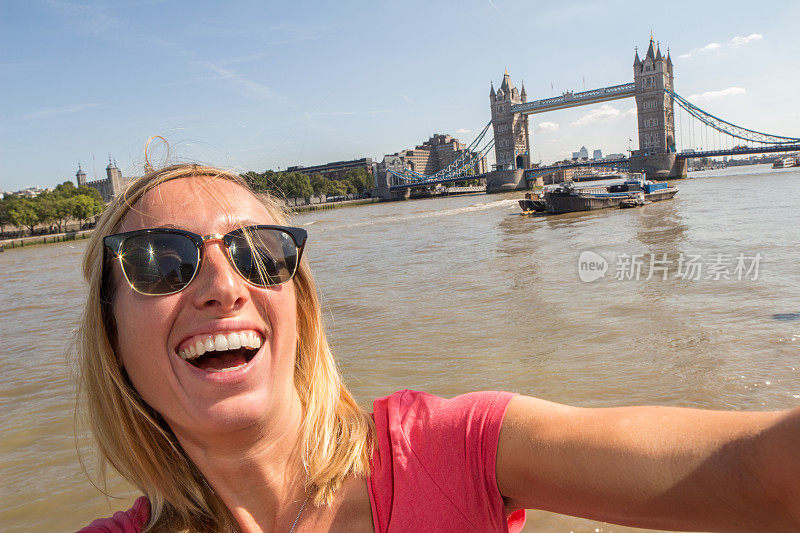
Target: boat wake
<point>392,219</point>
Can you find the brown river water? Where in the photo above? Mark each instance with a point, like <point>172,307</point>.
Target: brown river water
<point>457,294</point>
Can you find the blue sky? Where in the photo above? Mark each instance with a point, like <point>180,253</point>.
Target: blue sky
<point>258,85</point>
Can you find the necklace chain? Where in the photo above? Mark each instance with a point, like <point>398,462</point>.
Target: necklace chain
<point>296,518</point>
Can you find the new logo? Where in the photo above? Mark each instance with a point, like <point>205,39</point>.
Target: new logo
<point>591,266</point>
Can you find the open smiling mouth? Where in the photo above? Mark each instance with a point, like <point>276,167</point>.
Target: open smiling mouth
<point>220,352</point>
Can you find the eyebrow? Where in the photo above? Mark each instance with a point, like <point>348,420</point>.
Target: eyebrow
<point>240,224</point>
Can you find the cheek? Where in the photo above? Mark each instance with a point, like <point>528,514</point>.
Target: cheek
<point>141,341</point>
<point>281,310</point>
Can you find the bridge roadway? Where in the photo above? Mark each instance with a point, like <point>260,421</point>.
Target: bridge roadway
<point>741,151</point>
<point>570,99</point>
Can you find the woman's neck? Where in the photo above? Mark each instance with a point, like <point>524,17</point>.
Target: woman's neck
<point>257,472</point>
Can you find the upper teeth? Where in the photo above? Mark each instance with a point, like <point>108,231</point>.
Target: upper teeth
<point>219,342</point>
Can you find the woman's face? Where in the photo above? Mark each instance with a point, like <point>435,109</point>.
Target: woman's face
<point>224,394</point>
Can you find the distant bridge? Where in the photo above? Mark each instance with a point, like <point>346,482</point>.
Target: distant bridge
<point>659,154</point>
<point>617,164</point>
<point>420,183</point>
<point>741,151</point>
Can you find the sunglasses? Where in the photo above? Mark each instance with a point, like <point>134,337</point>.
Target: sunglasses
<point>164,260</point>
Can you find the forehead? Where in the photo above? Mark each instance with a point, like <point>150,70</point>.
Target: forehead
<point>201,204</point>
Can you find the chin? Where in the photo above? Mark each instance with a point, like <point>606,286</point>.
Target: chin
<point>236,413</point>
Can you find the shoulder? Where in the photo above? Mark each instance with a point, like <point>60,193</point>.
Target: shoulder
<point>435,461</point>
<point>409,408</point>
<point>131,521</point>
<point>426,427</point>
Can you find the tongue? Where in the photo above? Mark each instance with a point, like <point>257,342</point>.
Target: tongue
<point>222,361</point>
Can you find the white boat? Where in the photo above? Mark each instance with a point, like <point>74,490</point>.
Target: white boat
<point>785,162</point>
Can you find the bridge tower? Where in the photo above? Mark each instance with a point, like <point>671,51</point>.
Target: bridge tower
<point>654,107</point>
<point>511,139</point>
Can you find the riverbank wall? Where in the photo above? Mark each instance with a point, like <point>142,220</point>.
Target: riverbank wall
<point>21,242</point>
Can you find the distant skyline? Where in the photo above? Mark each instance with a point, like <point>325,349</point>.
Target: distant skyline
<point>263,85</point>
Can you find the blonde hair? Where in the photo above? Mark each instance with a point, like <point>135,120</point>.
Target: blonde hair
<point>337,435</point>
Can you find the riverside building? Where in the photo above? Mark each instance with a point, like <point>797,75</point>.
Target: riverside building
<point>428,158</point>
<point>337,169</point>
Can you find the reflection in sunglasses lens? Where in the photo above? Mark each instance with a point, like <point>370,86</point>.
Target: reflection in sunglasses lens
<point>159,263</point>
<point>271,260</point>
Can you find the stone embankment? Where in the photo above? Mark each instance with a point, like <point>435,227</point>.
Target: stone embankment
<point>21,242</point>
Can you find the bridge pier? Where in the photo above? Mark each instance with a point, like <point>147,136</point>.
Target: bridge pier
<point>383,192</point>
<point>401,194</point>
<point>387,194</point>
<point>505,181</point>
<point>659,166</point>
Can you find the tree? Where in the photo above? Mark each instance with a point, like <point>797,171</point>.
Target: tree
<point>321,184</point>
<point>280,184</point>
<point>67,189</point>
<point>63,207</point>
<point>4,218</point>
<point>253,179</point>
<point>85,207</point>
<point>22,212</point>
<point>91,192</point>
<point>295,185</point>
<point>45,206</point>
<point>359,179</point>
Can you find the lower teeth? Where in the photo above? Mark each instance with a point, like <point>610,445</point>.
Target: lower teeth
<point>226,361</point>
<point>231,368</point>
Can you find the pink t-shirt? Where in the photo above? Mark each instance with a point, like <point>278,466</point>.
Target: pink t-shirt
<point>434,469</point>
<point>131,521</point>
<point>435,466</point>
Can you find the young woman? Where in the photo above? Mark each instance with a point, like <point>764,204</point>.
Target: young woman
<point>210,386</point>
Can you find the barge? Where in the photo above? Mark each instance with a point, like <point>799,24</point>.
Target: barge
<point>568,197</point>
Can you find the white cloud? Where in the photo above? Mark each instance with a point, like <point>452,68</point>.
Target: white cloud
<point>735,42</point>
<point>309,115</point>
<point>406,98</point>
<point>462,131</point>
<point>548,126</point>
<point>713,95</point>
<point>58,111</point>
<point>254,89</point>
<point>499,12</point>
<point>604,112</point>
<point>631,112</point>
<point>738,41</point>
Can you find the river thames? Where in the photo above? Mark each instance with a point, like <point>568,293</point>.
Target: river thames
<point>696,304</point>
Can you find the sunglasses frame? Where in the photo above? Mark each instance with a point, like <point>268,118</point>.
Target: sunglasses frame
<point>114,243</point>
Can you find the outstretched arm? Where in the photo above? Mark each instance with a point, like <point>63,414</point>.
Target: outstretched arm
<point>656,467</point>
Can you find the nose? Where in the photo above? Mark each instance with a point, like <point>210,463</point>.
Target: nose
<point>218,286</point>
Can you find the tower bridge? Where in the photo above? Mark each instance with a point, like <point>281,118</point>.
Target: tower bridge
<point>657,156</point>
<point>652,88</point>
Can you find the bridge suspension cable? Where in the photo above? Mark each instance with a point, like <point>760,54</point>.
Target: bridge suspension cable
<point>728,128</point>
<point>459,167</point>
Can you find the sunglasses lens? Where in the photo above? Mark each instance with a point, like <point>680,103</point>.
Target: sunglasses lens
<point>271,259</point>
<point>159,263</point>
